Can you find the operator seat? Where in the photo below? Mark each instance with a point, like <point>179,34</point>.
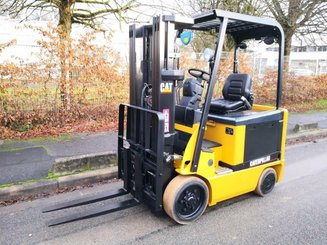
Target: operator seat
<point>186,112</point>
<point>237,95</point>
<point>192,92</point>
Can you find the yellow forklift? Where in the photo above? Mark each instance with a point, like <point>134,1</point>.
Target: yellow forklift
<point>180,154</point>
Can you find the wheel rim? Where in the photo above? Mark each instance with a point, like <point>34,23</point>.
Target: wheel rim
<point>268,183</point>
<point>190,202</point>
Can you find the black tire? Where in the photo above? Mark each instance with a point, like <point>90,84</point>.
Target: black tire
<point>185,198</point>
<point>266,182</point>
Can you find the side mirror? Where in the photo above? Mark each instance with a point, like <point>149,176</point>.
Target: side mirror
<point>242,45</point>
<point>269,40</point>
<point>208,54</point>
<point>186,37</point>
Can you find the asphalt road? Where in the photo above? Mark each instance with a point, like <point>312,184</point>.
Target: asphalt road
<point>294,213</point>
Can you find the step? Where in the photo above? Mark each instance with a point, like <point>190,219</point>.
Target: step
<point>223,170</point>
<point>207,145</point>
<point>210,144</point>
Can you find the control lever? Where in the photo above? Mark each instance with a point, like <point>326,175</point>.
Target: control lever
<point>247,103</point>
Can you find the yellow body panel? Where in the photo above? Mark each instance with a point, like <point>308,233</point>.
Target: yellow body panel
<point>233,145</point>
<point>186,129</point>
<point>223,186</point>
<point>205,168</point>
<point>257,107</point>
<point>226,186</point>
<point>283,144</point>
<point>184,166</point>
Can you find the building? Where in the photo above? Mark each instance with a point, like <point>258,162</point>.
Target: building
<point>304,60</point>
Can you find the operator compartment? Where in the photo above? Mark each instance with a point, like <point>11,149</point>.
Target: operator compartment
<point>248,138</point>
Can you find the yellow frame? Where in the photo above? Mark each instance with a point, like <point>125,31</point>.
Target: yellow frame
<point>228,185</point>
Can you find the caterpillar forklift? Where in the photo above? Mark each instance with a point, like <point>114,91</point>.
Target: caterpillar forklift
<point>181,152</point>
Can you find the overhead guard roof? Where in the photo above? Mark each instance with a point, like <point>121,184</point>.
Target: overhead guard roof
<point>240,26</point>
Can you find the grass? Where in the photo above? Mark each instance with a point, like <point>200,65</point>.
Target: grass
<point>61,137</point>
<point>51,174</point>
<point>8,142</point>
<point>21,148</point>
<point>18,183</point>
<point>6,185</point>
<point>49,177</point>
<point>322,103</point>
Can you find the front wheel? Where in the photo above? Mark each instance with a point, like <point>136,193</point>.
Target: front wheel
<point>266,182</point>
<point>185,198</point>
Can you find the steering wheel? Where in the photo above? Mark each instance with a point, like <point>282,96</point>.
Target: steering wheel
<point>199,74</point>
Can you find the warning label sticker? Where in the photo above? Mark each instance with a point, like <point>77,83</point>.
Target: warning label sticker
<point>166,115</point>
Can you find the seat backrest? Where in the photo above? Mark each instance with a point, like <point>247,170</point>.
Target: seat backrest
<point>192,92</point>
<point>236,86</point>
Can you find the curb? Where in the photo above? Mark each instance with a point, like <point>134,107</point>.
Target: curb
<point>306,134</point>
<point>80,163</point>
<point>52,185</point>
<point>301,127</point>
<point>88,177</point>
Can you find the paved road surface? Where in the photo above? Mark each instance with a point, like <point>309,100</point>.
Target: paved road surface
<point>295,213</point>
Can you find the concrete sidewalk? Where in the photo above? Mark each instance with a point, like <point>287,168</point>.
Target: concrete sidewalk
<point>306,118</point>
<point>21,161</point>
<point>32,159</point>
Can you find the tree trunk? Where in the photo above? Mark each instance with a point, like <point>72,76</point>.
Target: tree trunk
<point>64,29</point>
<point>288,48</point>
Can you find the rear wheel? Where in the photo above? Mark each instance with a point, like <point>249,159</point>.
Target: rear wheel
<point>185,198</point>
<point>266,182</point>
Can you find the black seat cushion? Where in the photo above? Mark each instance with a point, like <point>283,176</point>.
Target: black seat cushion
<point>236,86</point>
<point>192,92</point>
<point>224,106</point>
<point>186,112</point>
<point>186,115</point>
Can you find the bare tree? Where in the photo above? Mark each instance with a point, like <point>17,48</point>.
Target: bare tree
<point>191,7</point>
<point>90,13</point>
<point>252,7</point>
<point>299,16</point>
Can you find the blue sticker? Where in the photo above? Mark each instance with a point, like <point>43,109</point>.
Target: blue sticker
<point>186,37</point>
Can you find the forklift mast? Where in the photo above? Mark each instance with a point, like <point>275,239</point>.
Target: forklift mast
<point>149,129</point>
<point>153,62</point>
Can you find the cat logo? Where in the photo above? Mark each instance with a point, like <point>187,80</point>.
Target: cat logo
<point>259,161</point>
<point>166,88</point>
